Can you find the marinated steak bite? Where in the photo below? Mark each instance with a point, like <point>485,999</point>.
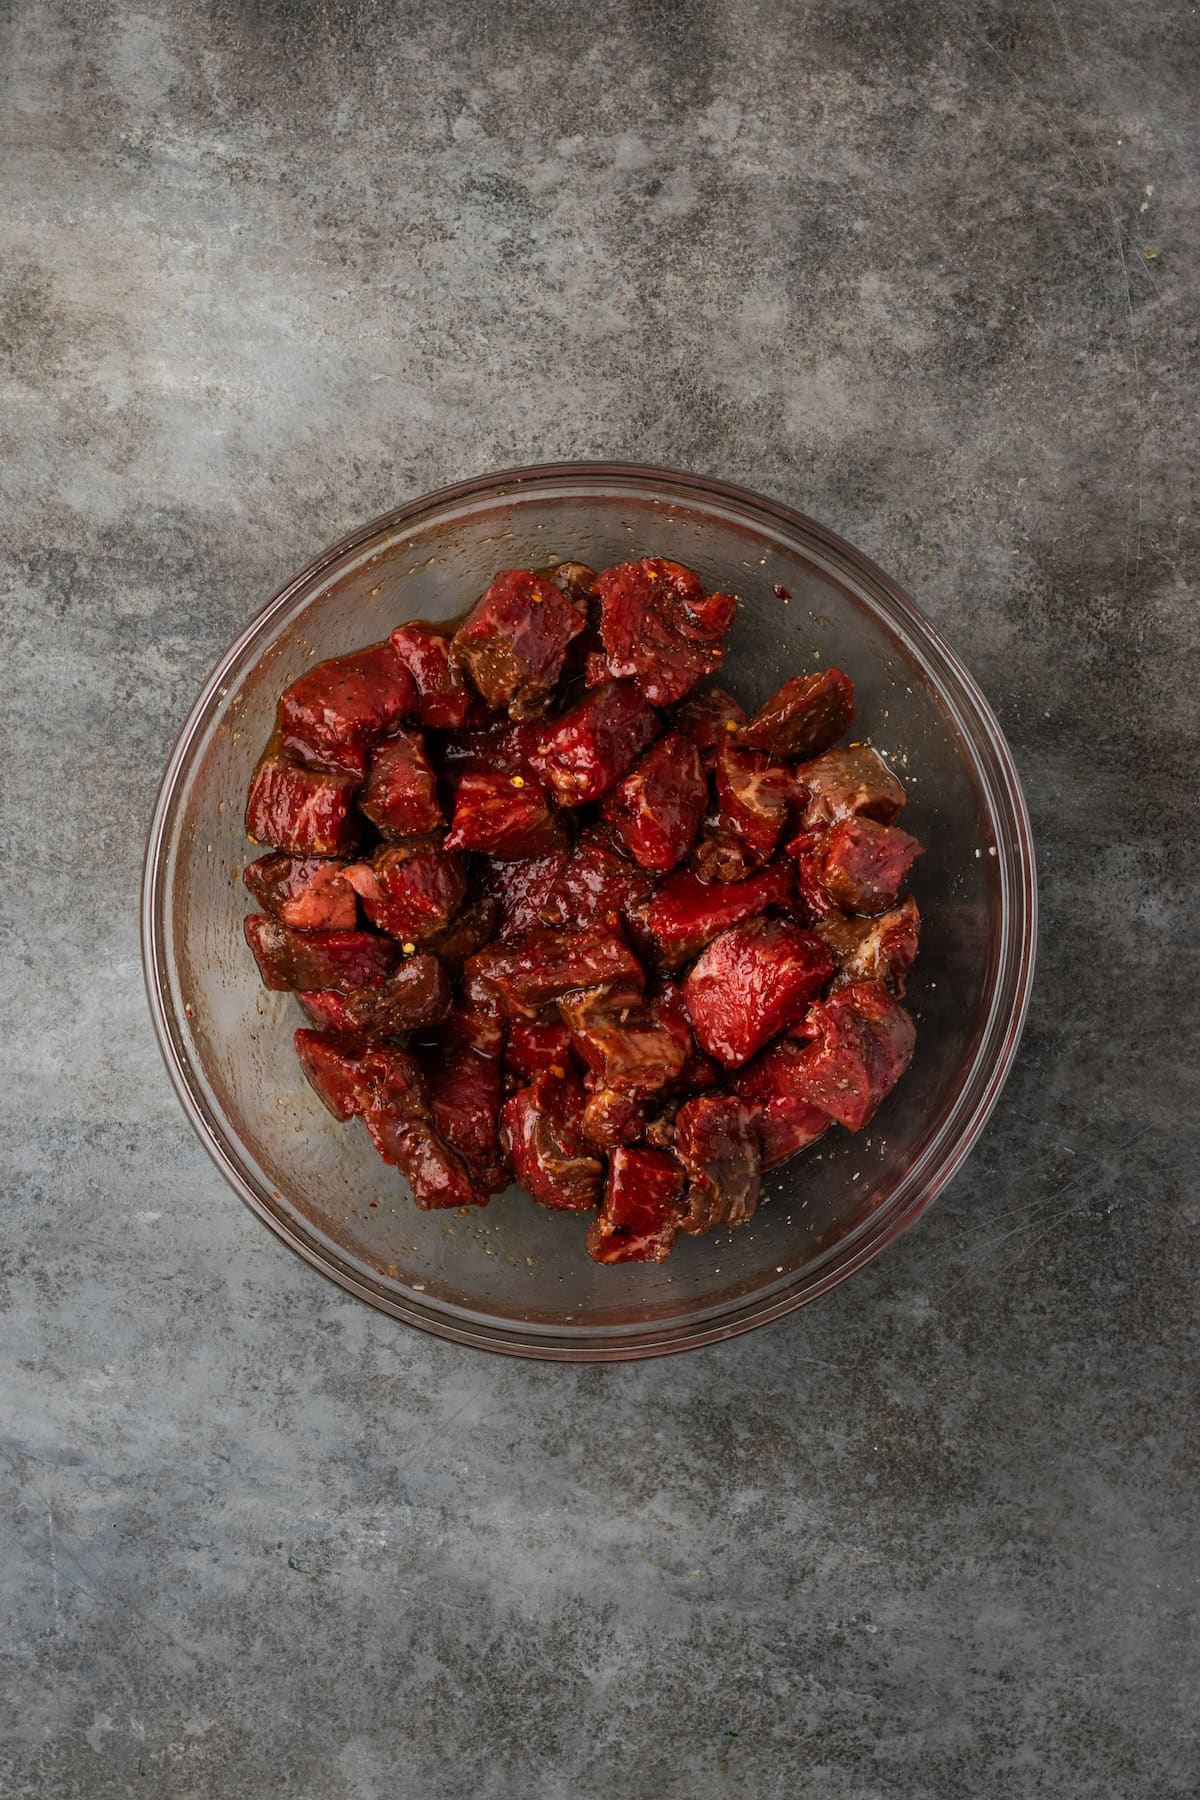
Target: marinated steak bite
<point>411,890</point>
<point>660,627</point>
<point>551,1157</point>
<point>515,639</point>
<point>640,1216</point>
<point>309,893</point>
<point>401,797</point>
<point>716,1140</point>
<point>807,715</point>
<point>581,754</point>
<point>444,698</point>
<point>750,983</point>
<point>508,816</point>
<point>337,711</point>
<point>844,784</point>
<point>656,809</point>
<point>303,811</point>
<point>651,955</point>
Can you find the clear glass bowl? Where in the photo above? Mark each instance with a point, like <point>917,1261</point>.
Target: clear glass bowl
<point>515,1277</point>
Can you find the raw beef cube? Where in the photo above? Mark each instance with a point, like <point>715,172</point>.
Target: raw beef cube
<point>816,900</point>
<point>593,744</point>
<point>752,800</point>
<point>612,1118</point>
<point>521,891</point>
<point>716,1140</point>
<point>309,893</point>
<point>657,808</point>
<point>597,882</point>
<point>472,927</point>
<point>551,1158</point>
<point>709,717</point>
<point>750,983</point>
<point>882,949</point>
<point>402,1131</point>
<point>863,1044</point>
<point>863,864</point>
<point>334,1068</point>
<point>660,626</point>
<point>444,700</point>
<point>532,1050</point>
<point>624,1045</point>
<point>302,810</point>
<point>526,974</point>
<point>687,913</point>
<point>699,1071</point>
<point>515,639</point>
<point>788,1122</point>
<point>411,891</point>
<point>640,1217</point>
<point>463,1071</point>
<point>506,816</point>
<point>338,710</point>
<point>807,715</point>
<point>290,959</point>
<point>847,783</point>
<point>401,792</point>
<point>416,995</point>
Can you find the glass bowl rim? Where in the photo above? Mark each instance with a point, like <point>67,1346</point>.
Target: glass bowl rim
<point>993,766</point>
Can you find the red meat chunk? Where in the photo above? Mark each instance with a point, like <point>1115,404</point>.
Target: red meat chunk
<point>507,816</point>
<point>463,1069</point>
<point>752,807</point>
<point>290,959</point>
<point>750,983</point>
<point>300,810</point>
<point>882,949</point>
<point>625,1046</point>
<point>716,1140</point>
<point>709,717</point>
<point>401,792</point>
<point>416,995</point>
<point>863,864</point>
<point>612,1118</point>
<point>640,1217</point>
<point>863,1043</point>
<point>551,1157</point>
<point>687,913</point>
<point>788,1122</point>
<point>532,1050</point>
<point>846,783</point>
<point>575,579</point>
<point>516,638</point>
<point>597,882</point>
<point>411,890</point>
<point>471,928</point>
<point>309,893</point>
<point>403,1132</point>
<point>816,900</point>
<point>444,699</point>
<point>660,627</point>
<point>699,1071</point>
<point>526,974</point>
<point>807,715</point>
<point>656,809</point>
<point>335,1070</point>
<point>338,710</point>
<point>521,891</point>
<point>581,754</point>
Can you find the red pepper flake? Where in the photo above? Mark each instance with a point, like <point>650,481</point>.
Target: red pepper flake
<point>779,591</point>
<point>372,1203</point>
<point>557,1069</point>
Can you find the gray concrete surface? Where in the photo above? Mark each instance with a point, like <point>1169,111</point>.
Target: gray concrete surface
<point>928,272</point>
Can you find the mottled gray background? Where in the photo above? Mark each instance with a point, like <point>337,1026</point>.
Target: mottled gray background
<point>927,271</point>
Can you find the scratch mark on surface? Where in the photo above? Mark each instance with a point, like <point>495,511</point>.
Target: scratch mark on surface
<point>55,1594</point>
